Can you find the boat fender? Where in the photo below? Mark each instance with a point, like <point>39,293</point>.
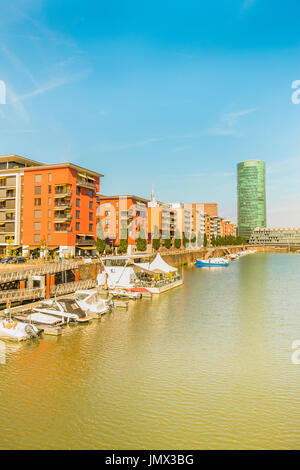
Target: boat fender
<point>31,331</point>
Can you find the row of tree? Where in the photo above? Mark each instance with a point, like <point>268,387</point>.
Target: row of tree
<point>185,241</point>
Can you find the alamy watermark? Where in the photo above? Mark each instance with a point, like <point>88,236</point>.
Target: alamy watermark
<point>2,92</point>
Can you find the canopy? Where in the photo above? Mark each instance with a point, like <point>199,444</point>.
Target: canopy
<point>158,265</point>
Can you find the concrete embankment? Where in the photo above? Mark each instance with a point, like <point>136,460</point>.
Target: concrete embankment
<point>188,257</point>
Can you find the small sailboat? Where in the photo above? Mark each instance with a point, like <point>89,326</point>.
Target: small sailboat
<point>92,303</point>
<point>67,309</point>
<point>200,263</point>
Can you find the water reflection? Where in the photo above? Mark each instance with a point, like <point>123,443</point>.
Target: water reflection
<point>206,365</point>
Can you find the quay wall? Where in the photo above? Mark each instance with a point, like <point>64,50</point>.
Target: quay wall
<point>188,257</point>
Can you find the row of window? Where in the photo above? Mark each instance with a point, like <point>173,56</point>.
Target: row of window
<point>38,190</point>
<point>37,227</point>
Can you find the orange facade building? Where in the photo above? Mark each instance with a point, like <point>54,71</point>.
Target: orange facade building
<point>59,208</point>
<point>122,216</point>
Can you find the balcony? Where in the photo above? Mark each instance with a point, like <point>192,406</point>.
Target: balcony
<point>62,191</point>
<point>62,217</point>
<point>86,184</point>
<point>85,241</point>
<point>62,204</point>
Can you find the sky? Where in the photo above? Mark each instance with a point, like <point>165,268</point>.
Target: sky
<point>166,93</point>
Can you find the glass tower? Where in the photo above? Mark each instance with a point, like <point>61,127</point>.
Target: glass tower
<point>251,188</point>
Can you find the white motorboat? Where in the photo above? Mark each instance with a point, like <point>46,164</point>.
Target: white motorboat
<point>17,330</point>
<point>67,309</point>
<point>125,294</point>
<point>92,303</point>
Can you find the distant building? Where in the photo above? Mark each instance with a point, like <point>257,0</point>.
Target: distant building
<point>210,208</point>
<point>251,189</point>
<point>122,216</point>
<point>275,236</point>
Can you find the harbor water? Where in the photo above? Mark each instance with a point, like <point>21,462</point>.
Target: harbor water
<point>206,365</point>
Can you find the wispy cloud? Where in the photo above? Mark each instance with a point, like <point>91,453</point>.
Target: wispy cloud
<point>230,121</point>
<point>232,118</point>
<point>18,65</point>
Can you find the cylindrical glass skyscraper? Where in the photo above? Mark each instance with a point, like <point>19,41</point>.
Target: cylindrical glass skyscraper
<point>251,189</point>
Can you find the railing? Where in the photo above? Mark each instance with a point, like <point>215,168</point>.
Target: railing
<point>85,242</point>
<point>69,287</point>
<point>63,204</point>
<point>63,192</point>
<point>86,184</point>
<point>18,295</point>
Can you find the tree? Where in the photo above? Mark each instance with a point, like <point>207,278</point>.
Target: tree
<point>185,240</point>
<point>193,239</point>
<point>168,243</point>
<point>177,241</point>
<point>100,244</point>
<point>123,246</point>
<point>213,240</point>
<point>141,242</point>
<point>205,240</point>
<point>155,238</point>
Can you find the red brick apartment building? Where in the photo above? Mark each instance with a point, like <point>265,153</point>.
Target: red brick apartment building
<point>47,207</point>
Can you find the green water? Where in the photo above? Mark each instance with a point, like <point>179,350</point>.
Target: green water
<point>207,365</point>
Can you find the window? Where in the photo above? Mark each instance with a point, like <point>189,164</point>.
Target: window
<point>78,190</point>
<point>91,204</point>
<point>37,189</point>
<point>90,216</point>
<point>77,214</point>
<point>49,237</point>
<point>37,237</point>
<point>90,227</point>
<point>77,226</point>
<point>38,178</point>
<point>37,226</point>
<point>37,214</point>
<point>91,193</point>
<point>49,189</point>
<point>37,201</point>
<point>49,177</point>
<point>107,213</point>
<point>49,213</point>
<point>49,201</point>
<point>117,204</point>
<point>77,202</point>
<point>107,221</point>
<point>49,225</point>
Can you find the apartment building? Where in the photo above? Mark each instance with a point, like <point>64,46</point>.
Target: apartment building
<point>59,209</point>
<point>210,208</point>
<point>11,201</point>
<point>121,216</point>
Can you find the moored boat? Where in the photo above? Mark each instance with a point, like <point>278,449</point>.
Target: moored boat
<point>66,308</point>
<point>92,303</point>
<point>212,262</point>
<point>17,330</point>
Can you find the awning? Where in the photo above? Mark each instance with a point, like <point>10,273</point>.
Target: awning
<point>52,248</point>
<point>86,247</point>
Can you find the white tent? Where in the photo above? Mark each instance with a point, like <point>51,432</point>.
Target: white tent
<point>157,265</point>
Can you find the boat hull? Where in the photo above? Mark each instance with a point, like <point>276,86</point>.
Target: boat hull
<point>206,264</point>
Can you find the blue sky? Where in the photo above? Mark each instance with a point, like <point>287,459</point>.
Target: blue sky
<point>169,93</point>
